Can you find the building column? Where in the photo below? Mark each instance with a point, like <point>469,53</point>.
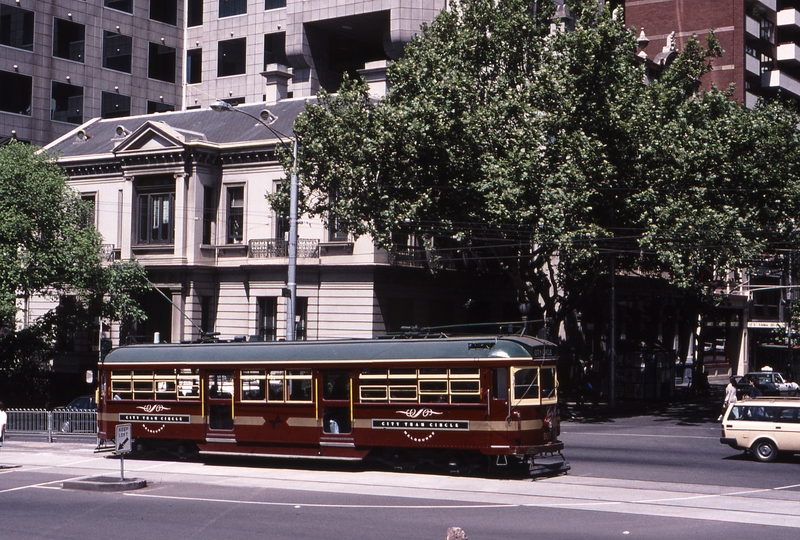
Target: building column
<point>127,234</point>
<point>181,214</point>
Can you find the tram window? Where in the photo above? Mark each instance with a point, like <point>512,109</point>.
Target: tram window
<point>465,391</point>
<point>121,389</point>
<point>500,383</point>
<point>220,416</point>
<point>166,389</point>
<point>464,371</point>
<point>433,373</point>
<point>220,385</point>
<point>188,383</point>
<point>402,372</point>
<point>403,393</point>
<point>432,387</point>
<point>336,386</point>
<point>547,378</point>
<point>298,385</point>
<point>276,387</point>
<point>373,393</point>
<point>526,384</point>
<point>253,385</point>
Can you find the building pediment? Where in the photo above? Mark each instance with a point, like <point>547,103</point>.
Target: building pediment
<point>150,137</point>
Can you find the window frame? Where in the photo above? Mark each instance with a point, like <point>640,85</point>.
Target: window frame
<point>58,43</point>
<point>18,17</point>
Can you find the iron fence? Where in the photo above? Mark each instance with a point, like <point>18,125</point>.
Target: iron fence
<point>55,423</point>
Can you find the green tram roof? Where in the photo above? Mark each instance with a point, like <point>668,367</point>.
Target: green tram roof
<point>336,351</point>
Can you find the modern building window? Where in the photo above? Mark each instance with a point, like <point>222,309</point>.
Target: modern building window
<point>113,105</point>
<point>209,215</point>
<point>158,107</point>
<point>275,49</point>
<point>228,8</point>
<point>66,103</point>
<point>267,318</point>
<point>68,40</point>
<point>161,63</point>
<point>274,4</point>
<point>194,13</point>
<point>117,50</point>
<point>194,66</point>
<point>15,93</point>
<point>155,210</point>
<point>231,55</point>
<point>119,5</point>
<point>235,215</point>
<point>16,27</point>
<point>165,11</point>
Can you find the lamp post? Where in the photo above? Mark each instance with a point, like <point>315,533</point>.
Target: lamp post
<point>266,118</point>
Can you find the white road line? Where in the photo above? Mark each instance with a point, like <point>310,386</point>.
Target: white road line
<point>318,505</point>
<point>41,485</point>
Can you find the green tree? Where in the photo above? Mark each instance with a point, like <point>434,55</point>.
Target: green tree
<point>49,249</point>
<point>542,150</point>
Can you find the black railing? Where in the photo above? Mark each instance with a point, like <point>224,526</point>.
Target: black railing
<point>278,247</point>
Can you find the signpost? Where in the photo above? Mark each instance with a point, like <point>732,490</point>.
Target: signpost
<point>123,446</point>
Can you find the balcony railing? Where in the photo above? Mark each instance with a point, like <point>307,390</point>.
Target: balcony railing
<point>109,253</point>
<point>419,258</point>
<point>268,248</point>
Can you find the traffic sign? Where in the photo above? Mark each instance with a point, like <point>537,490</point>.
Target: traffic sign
<point>123,440</point>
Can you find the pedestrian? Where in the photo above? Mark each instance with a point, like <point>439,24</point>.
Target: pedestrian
<point>754,392</point>
<point>730,397</point>
<point>3,422</point>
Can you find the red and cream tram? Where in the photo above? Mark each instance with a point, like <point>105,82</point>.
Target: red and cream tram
<point>454,402</point>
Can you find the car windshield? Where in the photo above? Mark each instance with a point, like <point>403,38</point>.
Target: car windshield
<point>778,378</point>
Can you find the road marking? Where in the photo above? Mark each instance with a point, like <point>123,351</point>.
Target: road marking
<point>44,485</point>
<point>318,505</point>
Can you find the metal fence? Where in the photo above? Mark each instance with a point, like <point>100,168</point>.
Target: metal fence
<point>55,423</point>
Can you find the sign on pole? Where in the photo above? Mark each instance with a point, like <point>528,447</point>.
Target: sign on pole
<point>123,439</point>
<point>123,446</point>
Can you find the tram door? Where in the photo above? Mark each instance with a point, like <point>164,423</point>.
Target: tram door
<point>219,393</point>
<point>336,402</point>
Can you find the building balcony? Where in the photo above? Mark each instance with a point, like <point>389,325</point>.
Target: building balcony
<point>752,65</point>
<point>769,4</point>
<point>789,53</point>
<point>269,248</point>
<point>779,80</point>
<point>789,19</point>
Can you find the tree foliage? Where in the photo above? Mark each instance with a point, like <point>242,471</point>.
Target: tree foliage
<point>542,147</point>
<point>48,248</point>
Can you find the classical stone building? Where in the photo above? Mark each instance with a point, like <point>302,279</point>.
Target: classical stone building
<point>183,193</point>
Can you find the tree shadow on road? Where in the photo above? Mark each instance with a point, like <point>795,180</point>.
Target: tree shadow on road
<point>684,409</point>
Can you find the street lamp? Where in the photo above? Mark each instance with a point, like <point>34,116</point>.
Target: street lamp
<point>266,118</point>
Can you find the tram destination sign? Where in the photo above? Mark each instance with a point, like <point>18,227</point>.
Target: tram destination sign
<point>149,418</point>
<point>443,425</point>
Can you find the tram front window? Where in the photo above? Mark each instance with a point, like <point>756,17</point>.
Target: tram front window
<point>526,383</point>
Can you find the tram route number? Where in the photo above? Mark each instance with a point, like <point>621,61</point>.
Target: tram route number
<point>123,440</point>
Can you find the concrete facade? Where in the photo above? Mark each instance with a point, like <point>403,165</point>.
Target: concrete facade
<point>82,54</point>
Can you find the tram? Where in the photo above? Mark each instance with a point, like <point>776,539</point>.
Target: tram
<point>458,403</point>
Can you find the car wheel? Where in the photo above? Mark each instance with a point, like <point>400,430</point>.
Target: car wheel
<point>765,451</point>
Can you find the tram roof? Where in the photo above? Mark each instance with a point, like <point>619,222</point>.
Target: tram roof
<point>341,351</point>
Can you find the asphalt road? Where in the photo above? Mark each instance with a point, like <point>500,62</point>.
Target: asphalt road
<point>661,475</point>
